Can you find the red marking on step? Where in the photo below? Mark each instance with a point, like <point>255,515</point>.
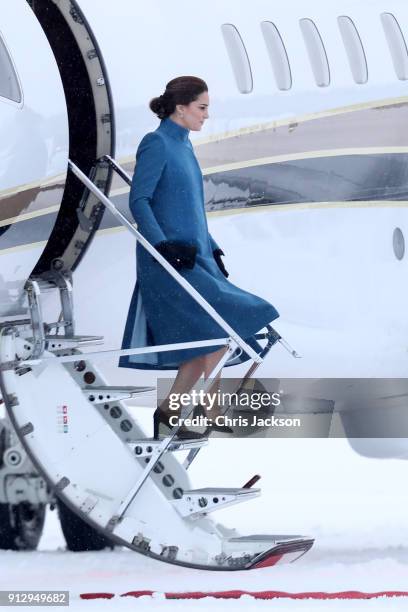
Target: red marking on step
<point>251,481</point>
<point>272,560</point>
<point>97,595</point>
<point>138,593</point>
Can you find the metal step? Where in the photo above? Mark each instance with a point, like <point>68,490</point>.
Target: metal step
<point>103,394</point>
<point>159,448</point>
<point>263,550</point>
<point>196,502</point>
<point>148,447</point>
<point>58,343</point>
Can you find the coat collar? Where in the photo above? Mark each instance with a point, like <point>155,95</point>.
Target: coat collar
<point>173,129</point>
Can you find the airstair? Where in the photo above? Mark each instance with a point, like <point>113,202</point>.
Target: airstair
<point>77,431</point>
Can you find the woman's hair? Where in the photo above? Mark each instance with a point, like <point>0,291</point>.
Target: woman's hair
<point>181,90</point>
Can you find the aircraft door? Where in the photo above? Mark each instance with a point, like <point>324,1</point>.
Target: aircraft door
<point>34,142</point>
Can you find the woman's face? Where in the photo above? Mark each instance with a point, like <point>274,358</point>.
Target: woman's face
<point>193,115</point>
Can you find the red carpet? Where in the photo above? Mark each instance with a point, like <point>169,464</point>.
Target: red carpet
<point>254,594</point>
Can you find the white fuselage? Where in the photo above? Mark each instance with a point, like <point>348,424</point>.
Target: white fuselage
<point>328,267</point>
<point>327,264</point>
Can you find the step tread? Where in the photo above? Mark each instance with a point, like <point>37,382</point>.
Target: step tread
<point>175,444</point>
<point>266,538</point>
<point>72,338</point>
<point>116,388</point>
<point>222,491</point>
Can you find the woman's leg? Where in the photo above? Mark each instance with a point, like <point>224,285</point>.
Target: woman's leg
<point>210,363</point>
<point>190,372</point>
<point>211,360</point>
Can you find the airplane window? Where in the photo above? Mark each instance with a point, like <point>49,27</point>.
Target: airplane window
<point>316,52</point>
<point>396,44</point>
<point>238,57</point>
<point>277,55</point>
<point>354,49</point>
<point>9,87</point>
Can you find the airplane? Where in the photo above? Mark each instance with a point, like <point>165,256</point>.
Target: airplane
<point>303,160</point>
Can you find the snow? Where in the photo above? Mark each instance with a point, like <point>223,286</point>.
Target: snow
<point>355,507</point>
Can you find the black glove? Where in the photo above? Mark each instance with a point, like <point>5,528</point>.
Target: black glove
<point>179,254</point>
<point>217,256</point>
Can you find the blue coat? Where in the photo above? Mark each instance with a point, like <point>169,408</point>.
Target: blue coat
<point>167,202</point>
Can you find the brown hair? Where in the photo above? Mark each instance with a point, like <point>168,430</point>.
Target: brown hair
<point>181,90</point>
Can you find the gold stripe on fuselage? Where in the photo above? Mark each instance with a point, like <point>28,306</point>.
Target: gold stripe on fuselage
<point>41,184</point>
<point>290,121</point>
<point>278,159</point>
<point>26,216</point>
<point>245,210</point>
<point>252,129</point>
<point>205,149</point>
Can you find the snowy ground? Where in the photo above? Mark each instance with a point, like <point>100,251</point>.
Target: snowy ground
<point>356,508</point>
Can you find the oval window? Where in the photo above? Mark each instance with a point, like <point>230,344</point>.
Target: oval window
<point>238,57</point>
<point>316,52</point>
<point>354,49</point>
<point>277,55</point>
<point>396,44</point>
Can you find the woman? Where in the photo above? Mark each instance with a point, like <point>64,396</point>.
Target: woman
<point>167,202</point>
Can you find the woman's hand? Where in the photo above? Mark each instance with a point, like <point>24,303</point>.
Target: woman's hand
<point>179,254</point>
<point>217,256</point>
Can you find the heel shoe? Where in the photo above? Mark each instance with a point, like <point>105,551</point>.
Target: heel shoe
<point>161,425</point>
<point>163,429</point>
<point>201,411</point>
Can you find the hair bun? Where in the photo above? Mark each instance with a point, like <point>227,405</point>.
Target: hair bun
<point>158,106</point>
<point>181,90</point>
